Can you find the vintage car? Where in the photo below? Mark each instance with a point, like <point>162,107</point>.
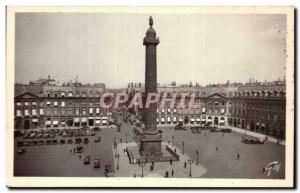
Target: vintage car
<point>227,130</point>
<point>49,142</point>
<point>26,143</point>
<point>97,163</point>
<point>40,142</point>
<point>86,140</point>
<point>20,143</point>
<point>33,143</point>
<point>97,139</point>
<point>78,140</point>
<point>21,151</point>
<point>62,141</point>
<point>108,171</point>
<point>79,149</point>
<point>87,160</point>
<point>70,141</point>
<point>54,142</point>
<point>252,141</point>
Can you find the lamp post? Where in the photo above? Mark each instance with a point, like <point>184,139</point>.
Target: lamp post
<point>142,164</point>
<point>197,152</point>
<point>183,147</point>
<point>190,162</point>
<point>172,139</point>
<point>118,161</point>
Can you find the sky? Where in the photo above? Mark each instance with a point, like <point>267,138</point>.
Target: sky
<point>108,47</point>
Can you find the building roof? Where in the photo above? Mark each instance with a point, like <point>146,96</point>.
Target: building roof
<point>33,89</point>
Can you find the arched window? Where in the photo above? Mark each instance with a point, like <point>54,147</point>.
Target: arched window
<point>70,94</point>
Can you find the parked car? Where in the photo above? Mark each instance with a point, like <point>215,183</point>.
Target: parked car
<point>78,140</point>
<point>49,142</point>
<point>86,141</point>
<point>62,141</point>
<point>40,142</point>
<point>79,149</point>
<point>87,160</point>
<point>108,171</point>
<point>21,151</point>
<point>97,163</point>
<point>70,141</point>
<point>20,143</point>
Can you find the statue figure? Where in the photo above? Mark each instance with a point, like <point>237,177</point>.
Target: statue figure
<point>150,21</point>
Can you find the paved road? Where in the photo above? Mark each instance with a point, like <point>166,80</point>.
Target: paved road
<point>56,160</point>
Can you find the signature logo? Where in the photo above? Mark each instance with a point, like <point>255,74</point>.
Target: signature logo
<point>273,166</point>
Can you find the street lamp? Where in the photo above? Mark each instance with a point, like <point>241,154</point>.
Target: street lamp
<point>118,161</point>
<point>197,152</point>
<point>172,139</point>
<point>190,162</point>
<point>183,147</point>
<point>142,164</point>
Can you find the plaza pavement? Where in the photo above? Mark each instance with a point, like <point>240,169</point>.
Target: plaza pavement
<point>129,170</point>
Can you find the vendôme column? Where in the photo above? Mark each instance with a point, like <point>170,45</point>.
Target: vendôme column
<point>150,145</point>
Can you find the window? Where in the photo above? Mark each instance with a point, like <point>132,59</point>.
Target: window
<point>26,112</point>
<point>97,111</point>
<point>48,103</point>
<point>19,113</point>
<point>26,104</point>
<point>70,94</point>
<point>41,111</point>
<point>63,104</point>
<point>63,94</point>
<point>55,111</point>
<point>70,111</point>
<point>33,103</point>
<point>34,112</point>
<point>91,111</point>
<point>83,111</point>
<point>77,112</point>
<point>55,103</point>
<point>62,111</point>
<point>18,104</point>
<point>48,111</point>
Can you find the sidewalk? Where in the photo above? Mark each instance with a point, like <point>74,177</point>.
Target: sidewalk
<point>129,170</point>
<point>254,134</point>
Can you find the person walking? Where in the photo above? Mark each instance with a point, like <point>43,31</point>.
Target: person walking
<point>134,175</point>
<point>184,164</point>
<point>217,148</point>
<point>238,156</point>
<point>172,172</point>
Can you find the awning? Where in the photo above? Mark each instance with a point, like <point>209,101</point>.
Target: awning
<point>104,121</point>
<point>97,118</point>
<point>222,121</point>
<point>55,122</point>
<point>97,122</point>
<point>192,120</point>
<point>103,118</point>
<point>180,119</point>
<point>203,119</point>
<point>63,122</point>
<point>91,117</point>
<point>83,120</point>
<point>34,120</point>
<point>198,119</point>
<point>48,122</point>
<point>76,120</point>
